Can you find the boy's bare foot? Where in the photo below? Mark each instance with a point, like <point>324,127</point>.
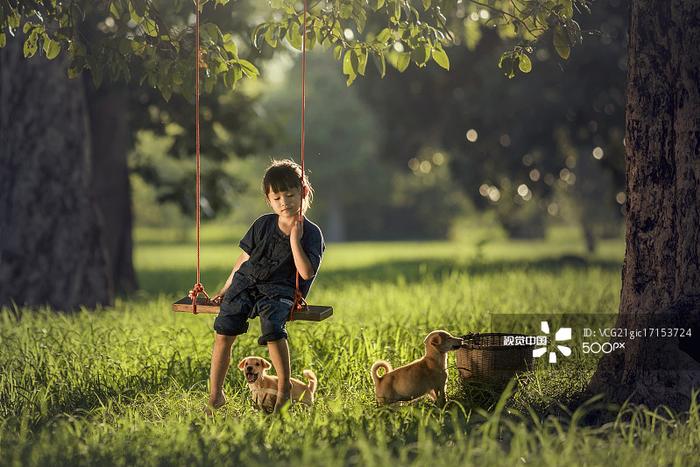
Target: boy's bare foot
<point>215,403</point>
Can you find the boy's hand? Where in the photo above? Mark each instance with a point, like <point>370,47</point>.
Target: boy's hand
<point>218,297</point>
<point>297,231</point>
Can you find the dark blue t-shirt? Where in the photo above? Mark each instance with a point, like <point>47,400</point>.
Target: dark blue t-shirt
<point>271,264</point>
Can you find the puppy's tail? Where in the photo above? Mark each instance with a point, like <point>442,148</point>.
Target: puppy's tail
<point>377,365</point>
<point>313,381</point>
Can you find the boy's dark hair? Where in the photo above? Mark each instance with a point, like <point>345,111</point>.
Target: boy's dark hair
<point>281,175</point>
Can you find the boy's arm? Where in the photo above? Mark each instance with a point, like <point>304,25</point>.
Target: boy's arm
<point>301,259</point>
<point>241,259</point>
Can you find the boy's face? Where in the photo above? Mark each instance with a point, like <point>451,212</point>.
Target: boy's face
<point>285,203</point>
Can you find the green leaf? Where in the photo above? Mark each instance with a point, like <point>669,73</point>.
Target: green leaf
<point>376,4</point>
<point>3,39</point>
<point>213,31</point>
<point>138,47</point>
<point>149,27</point>
<point>348,67</point>
<point>230,45</point>
<point>294,36</point>
<point>230,78</point>
<point>114,10</point>
<point>270,37</point>
<point>13,19</point>
<point>134,15</point>
<point>248,68</point>
<point>361,61</point>
<point>255,37</point>
<point>384,35</point>
<point>30,45</point>
<point>525,64</point>
<point>402,61</point>
<point>380,63</point>
<point>441,58</point>
<point>338,52</point>
<point>420,54</point>
<point>426,4</point>
<point>561,43</point>
<point>345,11</point>
<point>139,7</point>
<point>51,48</point>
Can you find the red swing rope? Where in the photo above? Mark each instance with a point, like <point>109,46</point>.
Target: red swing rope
<point>198,288</point>
<point>298,298</point>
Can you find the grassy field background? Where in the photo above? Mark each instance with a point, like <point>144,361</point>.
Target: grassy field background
<point>127,385</point>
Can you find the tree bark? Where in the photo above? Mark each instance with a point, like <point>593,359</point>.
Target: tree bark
<point>110,143</point>
<point>661,272</point>
<point>51,250</point>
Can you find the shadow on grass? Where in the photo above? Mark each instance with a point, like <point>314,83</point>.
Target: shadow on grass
<point>179,281</point>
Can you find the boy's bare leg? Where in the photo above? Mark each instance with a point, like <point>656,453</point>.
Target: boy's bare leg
<point>279,354</point>
<point>220,360</point>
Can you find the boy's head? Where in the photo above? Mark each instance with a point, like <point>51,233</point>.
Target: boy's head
<point>285,176</point>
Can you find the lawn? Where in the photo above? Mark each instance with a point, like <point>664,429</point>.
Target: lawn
<point>127,385</point>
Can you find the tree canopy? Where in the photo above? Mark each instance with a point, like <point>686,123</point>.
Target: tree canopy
<point>151,40</point>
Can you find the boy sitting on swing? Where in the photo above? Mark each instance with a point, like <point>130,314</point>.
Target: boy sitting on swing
<point>262,282</point>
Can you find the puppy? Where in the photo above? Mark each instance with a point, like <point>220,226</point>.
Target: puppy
<point>264,386</point>
<point>427,375</point>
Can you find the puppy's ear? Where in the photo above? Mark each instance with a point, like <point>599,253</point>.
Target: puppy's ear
<point>265,363</point>
<point>241,364</point>
<point>433,338</point>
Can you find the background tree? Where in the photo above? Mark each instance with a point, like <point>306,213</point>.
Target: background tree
<point>538,130</point>
<point>359,196</point>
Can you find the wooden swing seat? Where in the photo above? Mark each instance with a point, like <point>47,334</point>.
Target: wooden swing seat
<point>204,305</point>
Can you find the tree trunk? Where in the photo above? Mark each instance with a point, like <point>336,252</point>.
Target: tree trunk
<point>111,140</point>
<point>661,273</point>
<point>51,250</point>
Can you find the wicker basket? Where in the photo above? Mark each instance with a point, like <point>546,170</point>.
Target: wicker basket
<point>484,358</point>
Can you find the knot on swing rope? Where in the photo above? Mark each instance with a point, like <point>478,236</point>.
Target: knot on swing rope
<point>194,293</point>
<point>299,304</point>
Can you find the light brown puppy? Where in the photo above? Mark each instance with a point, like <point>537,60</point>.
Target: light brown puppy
<point>427,375</point>
<point>264,386</point>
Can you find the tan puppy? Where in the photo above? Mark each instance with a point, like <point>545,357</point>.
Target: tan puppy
<point>427,375</point>
<point>264,386</point>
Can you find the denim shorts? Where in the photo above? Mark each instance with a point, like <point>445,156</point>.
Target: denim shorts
<point>236,311</point>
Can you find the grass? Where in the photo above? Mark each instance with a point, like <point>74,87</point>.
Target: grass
<point>127,385</point>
